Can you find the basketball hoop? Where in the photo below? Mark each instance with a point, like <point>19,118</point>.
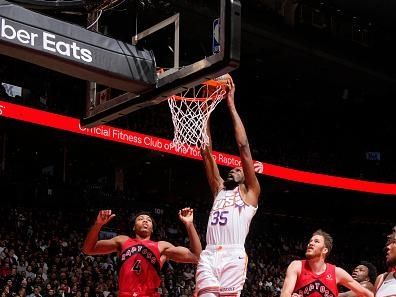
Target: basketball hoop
<point>191,110</point>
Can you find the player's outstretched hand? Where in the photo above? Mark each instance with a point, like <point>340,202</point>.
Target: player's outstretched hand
<point>230,91</point>
<point>186,215</point>
<point>104,217</point>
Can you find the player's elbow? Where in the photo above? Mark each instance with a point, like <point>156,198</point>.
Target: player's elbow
<point>243,144</point>
<point>87,250</point>
<point>195,259</point>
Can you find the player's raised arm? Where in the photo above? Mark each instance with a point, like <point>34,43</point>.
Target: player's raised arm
<point>290,279</point>
<point>93,246</point>
<point>251,181</point>
<point>179,253</point>
<point>211,168</point>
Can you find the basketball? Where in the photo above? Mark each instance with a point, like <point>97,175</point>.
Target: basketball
<point>223,78</point>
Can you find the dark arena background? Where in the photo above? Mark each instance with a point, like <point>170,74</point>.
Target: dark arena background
<point>315,89</point>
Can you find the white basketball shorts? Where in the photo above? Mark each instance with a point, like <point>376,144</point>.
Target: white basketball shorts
<point>222,270</point>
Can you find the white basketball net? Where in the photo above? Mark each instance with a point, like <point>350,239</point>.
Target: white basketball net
<point>190,113</point>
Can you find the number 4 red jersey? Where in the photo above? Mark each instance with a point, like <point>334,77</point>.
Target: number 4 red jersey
<point>140,267</point>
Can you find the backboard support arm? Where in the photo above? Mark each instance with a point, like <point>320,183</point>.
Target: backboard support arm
<point>171,83</point>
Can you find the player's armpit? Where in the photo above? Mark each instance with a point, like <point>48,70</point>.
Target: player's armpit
<point>107,246</point>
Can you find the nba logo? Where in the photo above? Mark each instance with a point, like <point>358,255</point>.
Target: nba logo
<point>216,36</point>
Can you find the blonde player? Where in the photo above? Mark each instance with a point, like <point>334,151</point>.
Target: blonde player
<point>221,269</point>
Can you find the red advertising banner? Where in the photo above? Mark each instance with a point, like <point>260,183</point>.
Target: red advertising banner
<point>65,123</point>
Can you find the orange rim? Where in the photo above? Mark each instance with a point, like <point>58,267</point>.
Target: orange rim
<point>177,97</point>
<point>212,83</point>
<point>180,98</point>
<point>215,83</point>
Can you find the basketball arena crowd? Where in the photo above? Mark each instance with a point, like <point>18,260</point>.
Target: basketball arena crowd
<point>40,251</point>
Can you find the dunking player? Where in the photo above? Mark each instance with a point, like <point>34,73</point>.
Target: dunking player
<point>365,274</point>
<point>140,258</point>
<point>221,270</point>
<point>314,277</point>
<point>385,285</point>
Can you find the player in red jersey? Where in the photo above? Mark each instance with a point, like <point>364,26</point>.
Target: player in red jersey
<point>140,258</point>
<point>314,277</point>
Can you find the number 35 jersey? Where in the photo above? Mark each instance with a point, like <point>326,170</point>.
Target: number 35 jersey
<point>229,219</point>
<point>140,267</point>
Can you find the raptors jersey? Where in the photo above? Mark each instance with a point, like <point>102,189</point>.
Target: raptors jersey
<point>312,285</point>
<point>229,219</point>
<point>140,267</point>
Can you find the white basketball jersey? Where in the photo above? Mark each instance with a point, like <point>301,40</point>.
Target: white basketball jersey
<point>388,287</point>
<point>229,219</point>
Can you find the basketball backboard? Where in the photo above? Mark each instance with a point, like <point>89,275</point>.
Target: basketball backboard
<point>191,42</point>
